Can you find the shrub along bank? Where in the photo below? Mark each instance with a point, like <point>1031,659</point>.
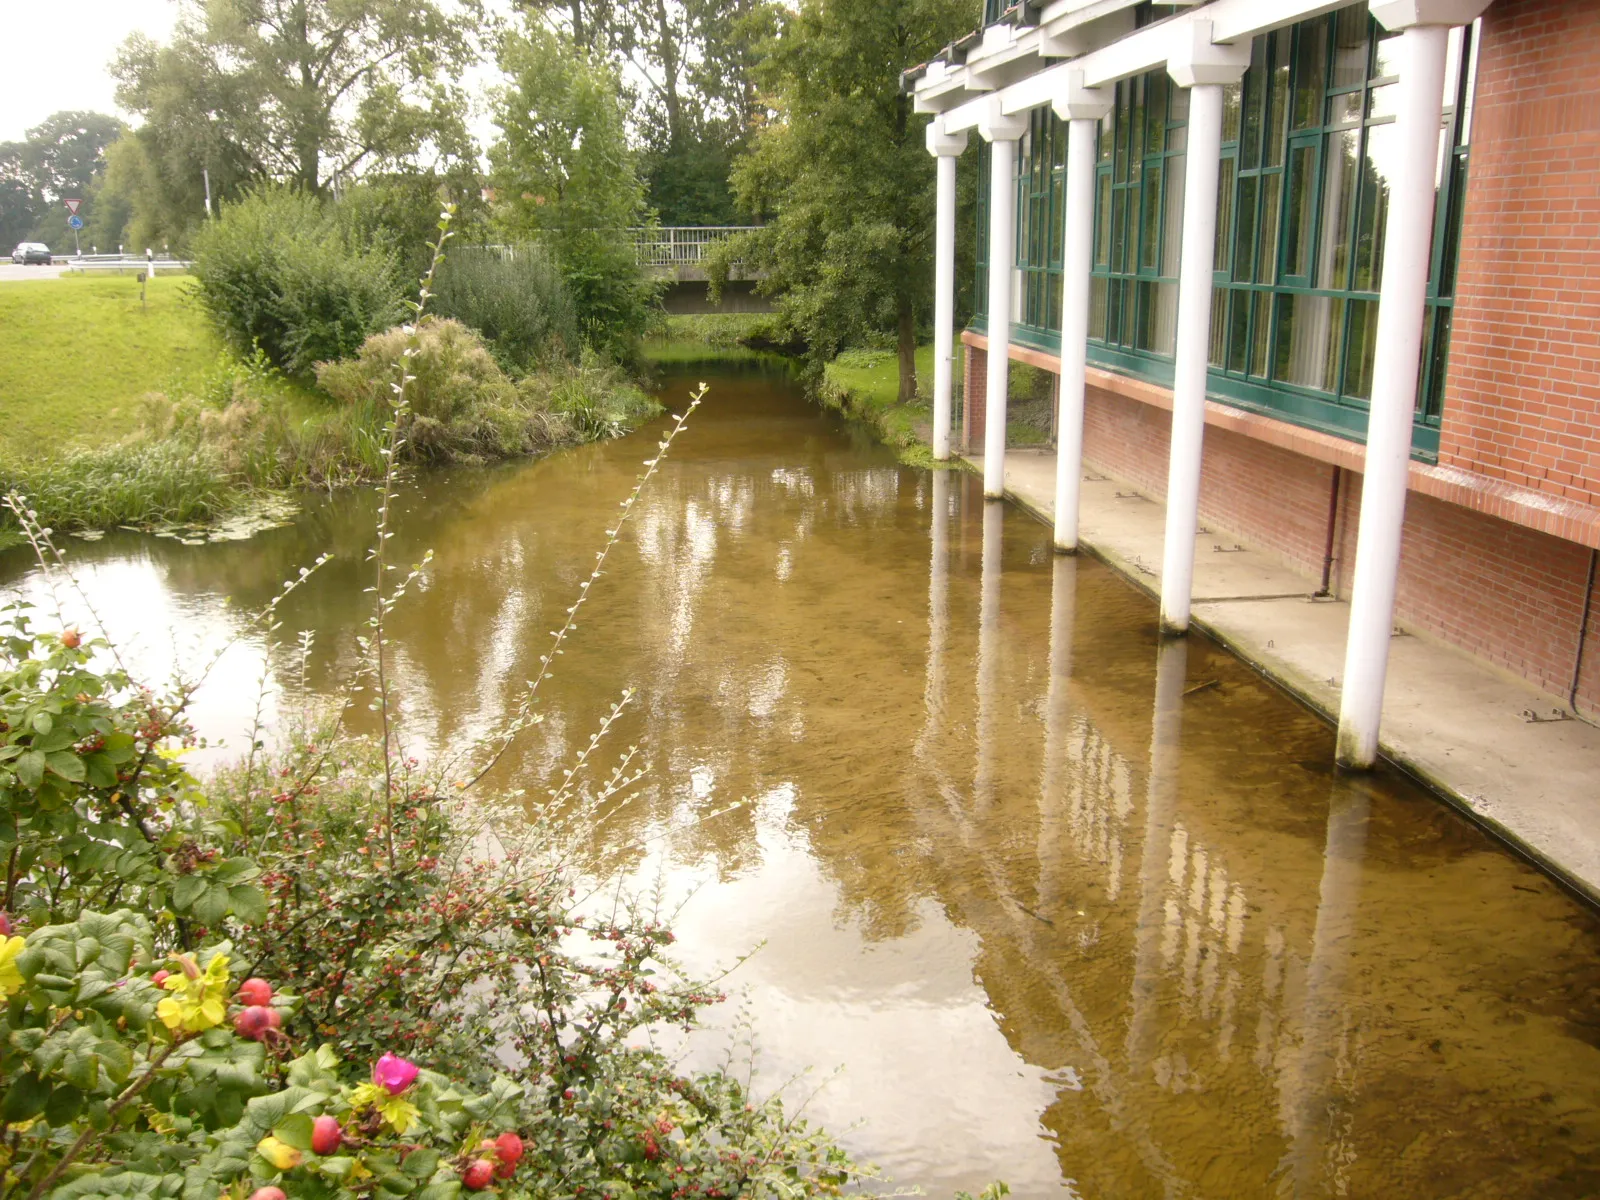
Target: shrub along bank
<point>285,345</point>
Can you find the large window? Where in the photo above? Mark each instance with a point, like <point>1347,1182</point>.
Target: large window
<point>1041,218</point>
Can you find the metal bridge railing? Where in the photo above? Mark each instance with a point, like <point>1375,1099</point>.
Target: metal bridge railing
<point>681,245</point>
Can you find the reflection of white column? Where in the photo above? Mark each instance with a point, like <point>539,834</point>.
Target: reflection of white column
<point>1001,132</point>
<point>1396,358</point>
<point>946,147</point>
<point>1082,109</point>
<point>989,644</point>
<point>1306,1085</point>
<point>1202,67</point>
<point>1057,716</point>
<point>938,604</point>
<point>1160,819</point>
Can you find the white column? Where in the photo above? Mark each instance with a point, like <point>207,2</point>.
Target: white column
<point>1401,305</point>
<point>946,148</point>
<point>1203,68</point>
<point>1082,109</point>
<point>1001,132</point>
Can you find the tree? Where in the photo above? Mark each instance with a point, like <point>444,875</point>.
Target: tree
<point>60,158</point>
<point>845,173</point>
<point>21,205</point>
<point>306,91</point>
<point>567,178</point>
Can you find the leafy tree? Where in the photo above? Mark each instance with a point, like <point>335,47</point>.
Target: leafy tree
<point>306,91</point>
<point>845,173</point>
<point>568,179</point>
<point>20,202</point>
<point>61,157</point>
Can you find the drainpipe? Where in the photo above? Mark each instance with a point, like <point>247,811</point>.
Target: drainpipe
<point>1202,66</point>
<point>1583,632</point>
<point>1333,524</point>
<point>1082,108</point>
<point>1001,131</point>
<point>946,148</point>
<point>1422,45</point>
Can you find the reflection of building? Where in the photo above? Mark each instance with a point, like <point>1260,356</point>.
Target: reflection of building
<point>1385,334</point>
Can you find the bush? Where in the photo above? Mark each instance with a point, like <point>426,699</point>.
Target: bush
<point>145,483</point>
<point>518,302</point>
<point>277,271</point>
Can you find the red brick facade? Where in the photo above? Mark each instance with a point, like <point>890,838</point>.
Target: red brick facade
<point>1522,400</point>
<point>974,392</point>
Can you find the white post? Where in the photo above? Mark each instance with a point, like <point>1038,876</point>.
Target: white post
<point>1401,309</point>
<point>149,263</point>
<point>1082,108</point>
<point>1001,132</point>
<point>1202,67</point>
<point>946,148</point>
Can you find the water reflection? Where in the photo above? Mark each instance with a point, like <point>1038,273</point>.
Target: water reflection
<point>1069,907</point>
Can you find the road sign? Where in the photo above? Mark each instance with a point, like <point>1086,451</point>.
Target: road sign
<point>75,222</point>
<point>72,206</point>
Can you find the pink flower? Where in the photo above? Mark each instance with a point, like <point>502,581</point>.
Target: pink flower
<point>5,925</point>
<point>394,1074</point>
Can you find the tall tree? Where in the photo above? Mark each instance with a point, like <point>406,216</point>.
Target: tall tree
<point>567,178</point>
<point>63,156</point>
<point>845,174</point>
<point>308,91</point>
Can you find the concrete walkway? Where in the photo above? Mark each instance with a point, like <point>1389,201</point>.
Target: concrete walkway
<point>1455,722</point>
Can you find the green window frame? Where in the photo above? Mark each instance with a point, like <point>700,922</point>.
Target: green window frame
<point>1041,219</point>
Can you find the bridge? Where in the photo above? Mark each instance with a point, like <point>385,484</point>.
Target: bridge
<point>680,252</point>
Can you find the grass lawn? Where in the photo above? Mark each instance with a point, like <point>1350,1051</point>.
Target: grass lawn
<point>76,354</point>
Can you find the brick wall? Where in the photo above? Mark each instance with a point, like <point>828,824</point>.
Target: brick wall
<point>1522,398</point>
<point>974,394</point>
<point>1508,594</point>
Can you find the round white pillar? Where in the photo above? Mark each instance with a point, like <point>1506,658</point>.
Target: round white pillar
<point>1401,311</point>
<point>1201,167</point>
<point>946,148</point>
<point>1002,253</point>
<point>1077,253</point>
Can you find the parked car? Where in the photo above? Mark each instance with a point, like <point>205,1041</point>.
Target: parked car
<point>31,252</point>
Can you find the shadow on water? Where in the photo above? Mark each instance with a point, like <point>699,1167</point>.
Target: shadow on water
<point>1069,909</point>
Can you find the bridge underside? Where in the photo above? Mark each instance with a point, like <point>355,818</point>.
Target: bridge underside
<point>684,297</point>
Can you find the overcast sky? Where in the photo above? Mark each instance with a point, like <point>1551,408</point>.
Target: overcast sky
<point>81,36</point>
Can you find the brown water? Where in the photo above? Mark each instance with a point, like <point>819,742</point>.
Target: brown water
<point>1068,910</point>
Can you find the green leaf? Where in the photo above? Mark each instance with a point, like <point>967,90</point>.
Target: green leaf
<point>249,903</point>
<point>68,766</point>
<point>214,905</point>
<point>42,723</point>
<point>26,1097</point>
<point>30,769</point>
<point>295,1130</point>
<point>420,1164</point>
<point>187,890</point>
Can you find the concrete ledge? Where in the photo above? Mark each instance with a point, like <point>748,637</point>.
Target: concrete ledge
<point>1454,723</point>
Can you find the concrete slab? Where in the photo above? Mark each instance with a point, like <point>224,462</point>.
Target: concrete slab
<point>1457,723</point>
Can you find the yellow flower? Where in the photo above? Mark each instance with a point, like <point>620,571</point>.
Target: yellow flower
<point>10,977</point>
<point>399,1113</point>
<point>199,1001</point>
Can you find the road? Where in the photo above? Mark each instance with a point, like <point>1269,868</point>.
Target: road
<point>10,272</point>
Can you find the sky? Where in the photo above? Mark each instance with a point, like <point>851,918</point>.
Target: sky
<point>82,36</point>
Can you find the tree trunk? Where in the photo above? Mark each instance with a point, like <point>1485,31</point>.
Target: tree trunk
<point>668,45</point>
<point>908,354</point>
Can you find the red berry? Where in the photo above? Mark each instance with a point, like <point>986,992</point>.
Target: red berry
<point>160,977</point>
<point>326,1135</point>
<point>254,1022</point>
<point>268,1193</point>
<point>255,991</point>
<point>509,1148</point>
<point>478,1175</point>
<point>71,639</point>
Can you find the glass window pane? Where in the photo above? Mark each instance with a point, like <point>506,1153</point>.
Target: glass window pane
<point>1232,97</point>
<point>1308,341</point>
<point>1114,310</point>
<point>1452,230</point>
<point>1222,256</point>
<point>1155,136</point>
<point>1172,218</point>
<point>1244,244</point>
<point>1263,315</point>
<point>1267,260</point>
<point>1350,48</point>
<point>1345,109</point>
<point>1374,207</point>
<point>1119,228</point>
<point>1311,73</point>
<point>1102,217</point>
<point>1136,117</point>
<point>1363,349</point>
<point>1255,98</point>
<point>1106,135</point>
<point>1340,169</point>
<point>1158,316</point>
<point>1382,101</point>
<point>1219,327</point>
<point>1386,62</point>
<point>1239,332</point>
<point>1150,223</point>
<point>1438,365</point>
<point>1279,107</point>
<point>1177,104</point>
<point>1097,307</point>
<point>1302,195</point>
